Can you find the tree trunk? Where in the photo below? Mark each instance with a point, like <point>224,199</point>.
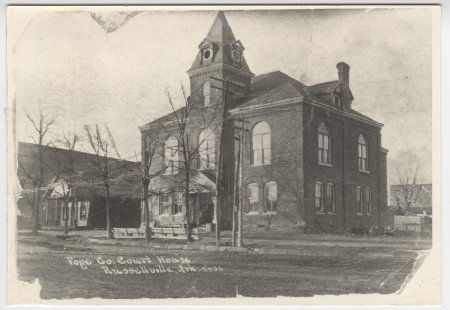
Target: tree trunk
<point>146,211</point>
<point>35,213</point>
<point>187,203</point>
<point>66,217</point>
<point>108,213</point>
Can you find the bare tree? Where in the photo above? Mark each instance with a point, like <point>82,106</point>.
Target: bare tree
<point>34,176</point>
<point>151,145</point>
<point>408,174</point>
<point>103,145</point>
<point>188,146</point>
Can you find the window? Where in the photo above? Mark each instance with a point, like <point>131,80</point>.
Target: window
<point>177,206</point>
<point>362,154</point>
<point>171,155</point>
<point>83,211</point>
<point>270,191</point>
<point>324,152</point>
<point>368,201</point>
<point>253,197</point>
<point>206,93</point>
<point>337,100</point>
<point>331,199</point>
<point>359,199</point>
<point>261,145</point>
<point>236,54</point>
<point>164,201</point>
<point>319,198</point>
<point>207,154</point>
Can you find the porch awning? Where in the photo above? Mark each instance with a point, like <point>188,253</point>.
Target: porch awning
<point>200,183</point>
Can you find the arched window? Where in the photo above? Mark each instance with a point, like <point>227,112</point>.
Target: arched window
<point>362,154</point>
<point>171,155</point>
<point>207,154</point>
<point>252,197</point>
<point>261,144</point>
<point>206,93</point>
<point>324,150</point>
<point>270,193</point>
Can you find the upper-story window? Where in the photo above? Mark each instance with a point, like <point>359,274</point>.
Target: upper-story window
<point>236,54</point>
<point>206,93</point>
<point>261,144</point>
<point>171,155</point>
<point>337,100</point>
<point>324,150</point>
<point>362,154</point>
<point>206,150</point>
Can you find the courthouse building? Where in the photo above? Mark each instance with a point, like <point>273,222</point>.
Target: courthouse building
<point>309,159</point>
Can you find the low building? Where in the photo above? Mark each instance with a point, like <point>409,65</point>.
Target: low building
<point>71,177</point>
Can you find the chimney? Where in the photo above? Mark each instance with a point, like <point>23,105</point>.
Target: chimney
<point>344,78</point>
<point>343,73</point>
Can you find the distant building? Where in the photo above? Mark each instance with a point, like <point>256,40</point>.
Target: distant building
<point>309,158</point>
<point>86,193</point>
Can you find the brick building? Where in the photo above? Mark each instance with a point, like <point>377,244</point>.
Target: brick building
<point>308,158</point>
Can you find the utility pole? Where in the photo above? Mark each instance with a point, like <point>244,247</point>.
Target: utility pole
<point>238,199</point>
<point>223,157</point>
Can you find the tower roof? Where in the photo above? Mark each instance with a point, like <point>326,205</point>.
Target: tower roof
<point>222,40</point>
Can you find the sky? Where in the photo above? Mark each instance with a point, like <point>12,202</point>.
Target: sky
<point>118,69</point>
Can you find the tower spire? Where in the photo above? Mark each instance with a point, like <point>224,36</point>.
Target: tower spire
<point>220,47</point>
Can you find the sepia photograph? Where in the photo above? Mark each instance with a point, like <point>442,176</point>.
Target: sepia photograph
<point>228,154</point>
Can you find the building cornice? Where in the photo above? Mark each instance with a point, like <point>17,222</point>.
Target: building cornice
<point>220,66</point>
<point>243,110</point>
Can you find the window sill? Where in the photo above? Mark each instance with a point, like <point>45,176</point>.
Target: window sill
<point>364,171</point>
<point>357,213</point>
<point>368,214</point>
<point>325,213</point>
<point>270,213</point>
<point>259,165</point>
<point>252,213</point>
<point>326,165</point>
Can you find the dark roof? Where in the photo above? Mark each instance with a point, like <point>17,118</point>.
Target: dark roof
<point>360,115</point>
<point>58,161</point>
<point>324,88</point>
<point>272,87</point>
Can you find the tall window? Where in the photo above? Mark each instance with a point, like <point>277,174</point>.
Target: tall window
<point>177,205</point>
<point>207,154</point>
<point>319,197</point>
<point>171,155</point>
<point>362,154</point>
<point>261,144</point>
<point>164,201</point>
<point>331,199</point>
<point>368,201</point>
<point>337,100</point>
<point>359,199</point>
<point>253,196</point>
<point>206,93</point>
<point>270,192</point>
<point>83,211</point>
<point>324,152</point>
